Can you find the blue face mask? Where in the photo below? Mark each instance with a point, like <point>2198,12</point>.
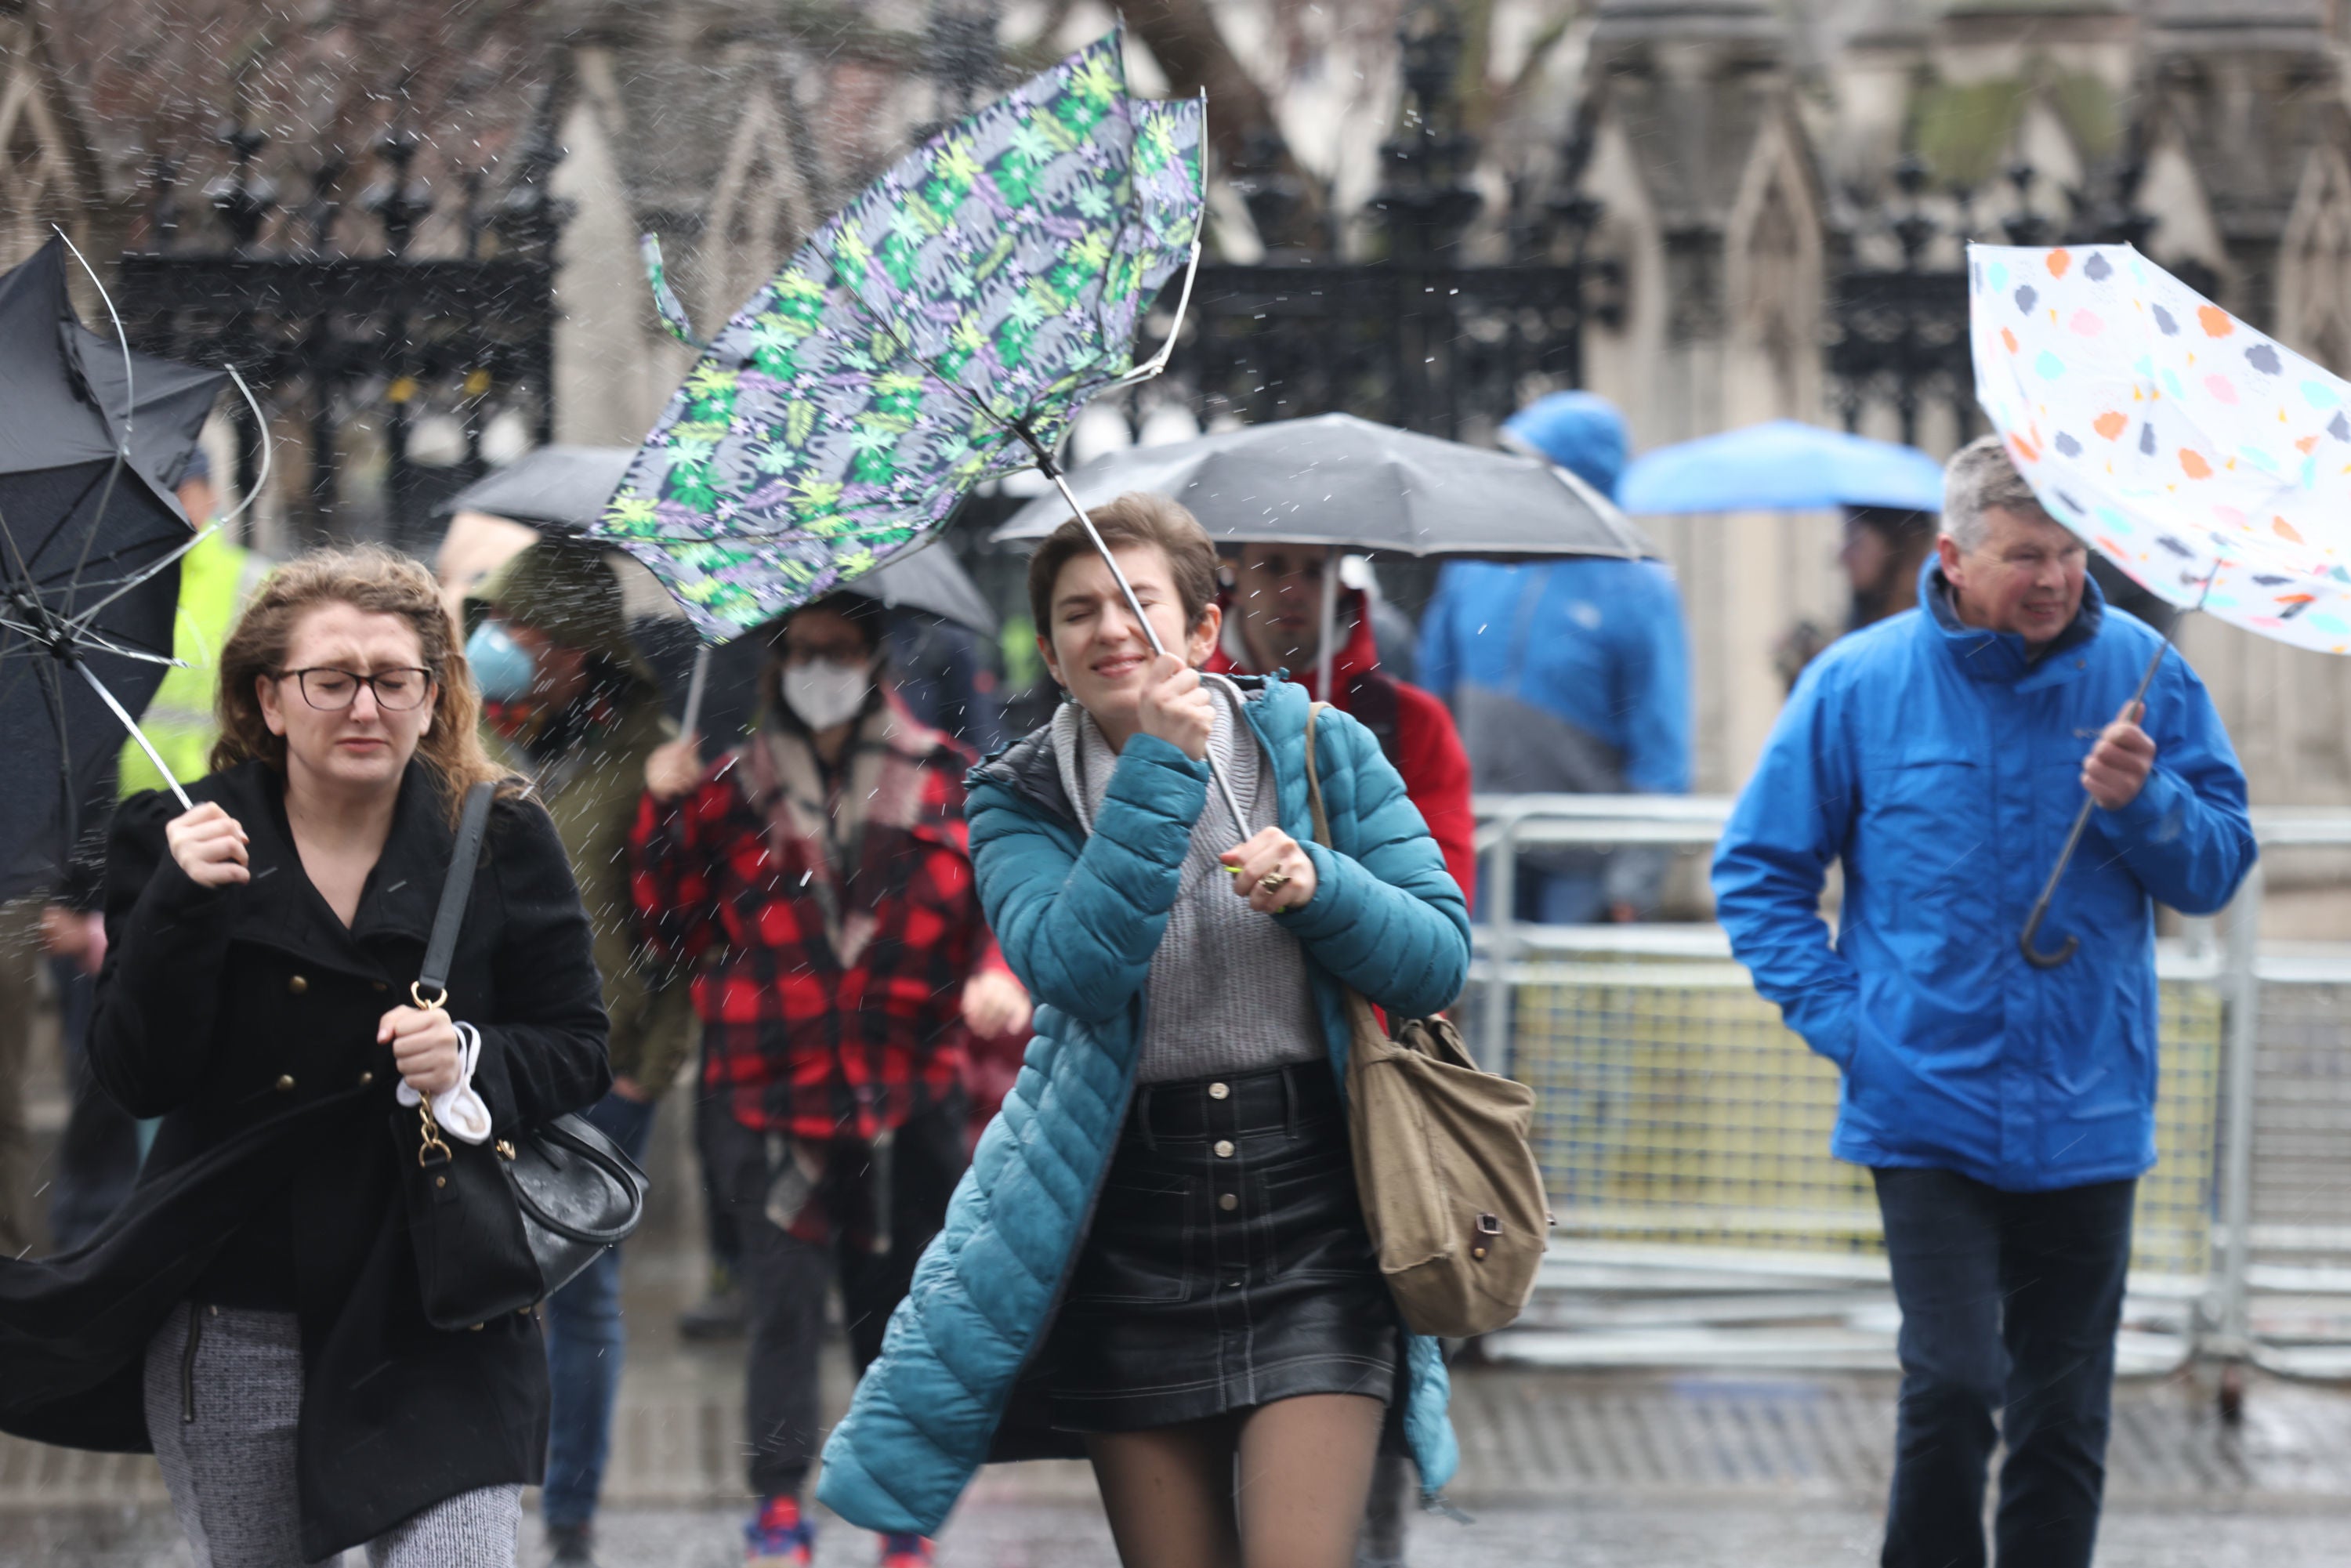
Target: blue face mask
<point>503,669</point>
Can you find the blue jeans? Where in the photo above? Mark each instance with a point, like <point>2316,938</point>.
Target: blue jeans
<point>2009,1303</point>
<point>584,1345</point>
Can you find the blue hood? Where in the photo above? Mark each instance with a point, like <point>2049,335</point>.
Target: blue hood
<point>1580,430</point>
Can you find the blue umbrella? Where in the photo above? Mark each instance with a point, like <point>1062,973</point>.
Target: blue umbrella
<point>1782,466</point>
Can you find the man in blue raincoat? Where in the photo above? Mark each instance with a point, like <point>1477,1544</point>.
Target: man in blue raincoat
<point>2005,1111</point>
<point>1567,677</point>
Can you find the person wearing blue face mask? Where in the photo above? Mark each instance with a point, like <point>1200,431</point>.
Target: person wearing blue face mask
<point>569,703</point>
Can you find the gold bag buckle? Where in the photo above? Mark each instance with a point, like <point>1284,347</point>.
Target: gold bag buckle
<point>432,1144</point>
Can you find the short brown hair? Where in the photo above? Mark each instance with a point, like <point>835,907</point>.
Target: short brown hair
<point>380,583</point>
<point>1136,517</point>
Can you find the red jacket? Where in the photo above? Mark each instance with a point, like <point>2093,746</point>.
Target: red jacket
<point>830,993</point>
<point>1414,730</point>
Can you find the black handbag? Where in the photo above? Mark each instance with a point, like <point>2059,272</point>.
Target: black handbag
<point>499,1227</point>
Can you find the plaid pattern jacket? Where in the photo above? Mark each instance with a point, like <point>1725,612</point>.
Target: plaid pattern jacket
<point>832,923</point>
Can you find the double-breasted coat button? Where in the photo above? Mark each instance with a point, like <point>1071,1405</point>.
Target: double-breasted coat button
<point>285,1082</point>
<point>1228,1202</point>
<point>297,985</point>
<point>366,1079</point>
<point>1219,1091</point>
<point>1224,1148</point>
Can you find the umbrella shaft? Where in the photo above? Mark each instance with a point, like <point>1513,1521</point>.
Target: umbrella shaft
<point>1053,471</point>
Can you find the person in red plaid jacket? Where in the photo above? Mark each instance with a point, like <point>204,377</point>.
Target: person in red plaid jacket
<point>819,881</point>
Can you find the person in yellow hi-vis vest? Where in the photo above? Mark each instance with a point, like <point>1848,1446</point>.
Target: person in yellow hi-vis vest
<point>99,1154</point>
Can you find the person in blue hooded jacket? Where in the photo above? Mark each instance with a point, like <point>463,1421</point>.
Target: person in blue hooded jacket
<point>2006,1111</point>
<point>1567,677</point>
<point>1159,1258</point>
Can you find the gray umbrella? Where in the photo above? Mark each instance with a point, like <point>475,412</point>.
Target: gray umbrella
<point>562,489</point>
<point>1342,481</point>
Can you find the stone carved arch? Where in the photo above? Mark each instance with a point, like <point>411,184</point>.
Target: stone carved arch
<point>758,209</point>
<point>2314,263</point>
<point>42,178</point>
<point>1775,265</point>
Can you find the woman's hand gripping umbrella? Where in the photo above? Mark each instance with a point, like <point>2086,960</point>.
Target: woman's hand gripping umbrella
<point>942,329</point>
<point>2207,461</point>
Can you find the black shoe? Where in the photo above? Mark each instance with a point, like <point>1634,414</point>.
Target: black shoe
<point>718,1316</point>
<point>573,1545</point>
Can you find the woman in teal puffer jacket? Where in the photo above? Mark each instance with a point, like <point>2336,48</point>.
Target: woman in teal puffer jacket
<point>1156,1260</point>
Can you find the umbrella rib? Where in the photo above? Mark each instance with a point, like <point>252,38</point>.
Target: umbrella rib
<point>87,616</point>
<point>88,638</point>
<point>65,516</point>
<point>136,733</point>
<point>45,676</point>
<point>129,403</point>
<point>118,553</point>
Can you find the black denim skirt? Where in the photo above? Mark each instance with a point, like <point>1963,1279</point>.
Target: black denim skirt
<point>1228,1265</point>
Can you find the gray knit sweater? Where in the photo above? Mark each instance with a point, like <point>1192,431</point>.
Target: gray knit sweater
<point>1227,991</point>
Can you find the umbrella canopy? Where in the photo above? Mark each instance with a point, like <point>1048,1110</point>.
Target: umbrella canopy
<point>2193,451</point>
<point>563,490</point>
<point>940,331</point>
<point>1338,480</point>
<point>1782,466</point>
<point>558,487</point>
<point>89,554</point>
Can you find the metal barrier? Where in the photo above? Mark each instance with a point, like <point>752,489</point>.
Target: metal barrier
<point>1683,1132</point>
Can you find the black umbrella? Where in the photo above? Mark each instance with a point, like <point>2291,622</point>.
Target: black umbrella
<point>1348,484</point>
<point>1338,480</point>
<point>91,537</point>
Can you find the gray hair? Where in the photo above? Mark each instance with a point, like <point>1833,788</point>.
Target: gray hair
<point>1978,477</point>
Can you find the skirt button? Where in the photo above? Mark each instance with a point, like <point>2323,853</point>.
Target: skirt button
<point>1224,1148</point>
<point>1219,1091</point>
<point>1228,1202</point>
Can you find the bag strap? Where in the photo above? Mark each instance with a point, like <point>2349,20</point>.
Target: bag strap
<point>1371,1040</point>
<point>1314,780</point>
<point>441,948</point>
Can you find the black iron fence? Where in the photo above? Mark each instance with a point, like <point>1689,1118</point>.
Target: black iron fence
<point>353,349</point>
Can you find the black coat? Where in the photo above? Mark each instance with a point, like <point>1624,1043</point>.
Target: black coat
<point>246,1018</point>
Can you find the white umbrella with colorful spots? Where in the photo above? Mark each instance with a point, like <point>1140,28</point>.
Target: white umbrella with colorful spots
<point>2192,451</point>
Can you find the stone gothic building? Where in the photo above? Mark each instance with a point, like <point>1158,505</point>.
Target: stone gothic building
<point>1741,152</point>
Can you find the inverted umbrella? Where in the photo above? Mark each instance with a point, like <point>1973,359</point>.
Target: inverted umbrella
<point>563,490</point>
<point>942,329</point>
<point>1781,466</point>
<point>90,537</point>
<point>2206,460</point>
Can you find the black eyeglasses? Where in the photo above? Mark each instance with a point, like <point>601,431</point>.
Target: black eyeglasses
<point>332,690</point>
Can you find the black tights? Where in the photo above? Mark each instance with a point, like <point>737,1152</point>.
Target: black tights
<point>1281,1486</point>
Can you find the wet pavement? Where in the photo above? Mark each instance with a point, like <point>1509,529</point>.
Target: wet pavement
<point>1764,1471</point>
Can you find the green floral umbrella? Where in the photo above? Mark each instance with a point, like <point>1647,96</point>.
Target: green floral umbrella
<point>941,330</point>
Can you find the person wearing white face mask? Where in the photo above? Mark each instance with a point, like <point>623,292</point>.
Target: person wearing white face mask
<point>820,876</point>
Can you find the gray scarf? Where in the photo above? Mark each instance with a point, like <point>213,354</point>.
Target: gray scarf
<point>1229,991</point>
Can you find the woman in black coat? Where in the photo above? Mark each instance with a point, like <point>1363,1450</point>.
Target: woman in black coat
<point>254,1315</point>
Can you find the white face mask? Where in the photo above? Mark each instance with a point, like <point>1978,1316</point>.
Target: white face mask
<point>823,693</point>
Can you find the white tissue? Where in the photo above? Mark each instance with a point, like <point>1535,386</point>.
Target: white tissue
<point>458,1111</point>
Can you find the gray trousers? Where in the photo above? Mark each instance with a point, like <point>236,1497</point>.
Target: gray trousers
<point>224,1421</point>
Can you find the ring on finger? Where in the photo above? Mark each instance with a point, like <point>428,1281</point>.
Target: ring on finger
<point>1272,880</point>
